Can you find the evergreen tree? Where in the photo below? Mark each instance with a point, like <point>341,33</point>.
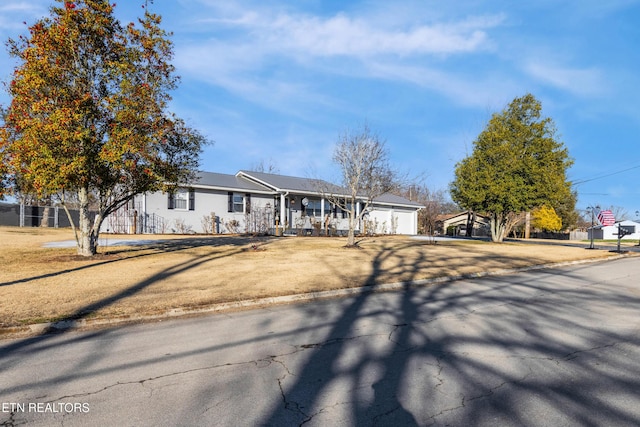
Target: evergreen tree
<point>517,164</point>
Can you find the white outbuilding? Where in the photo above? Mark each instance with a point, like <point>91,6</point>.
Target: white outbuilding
<point>610,232</point>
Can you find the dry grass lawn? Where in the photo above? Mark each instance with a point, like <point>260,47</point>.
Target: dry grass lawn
<point>39,284</point>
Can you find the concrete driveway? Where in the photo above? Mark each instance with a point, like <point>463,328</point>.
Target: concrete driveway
<point>557,347</point>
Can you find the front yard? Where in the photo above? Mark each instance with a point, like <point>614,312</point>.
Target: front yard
<point>41,284</point>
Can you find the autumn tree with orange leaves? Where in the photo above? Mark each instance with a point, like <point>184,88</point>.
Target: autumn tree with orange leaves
<point>88,114</point>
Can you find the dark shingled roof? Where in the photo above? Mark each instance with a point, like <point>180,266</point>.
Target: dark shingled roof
<point>268,183</point>
<point>232,182</point>
<point>317,186</point>
<point>392,199</point>
<point>292,183</point>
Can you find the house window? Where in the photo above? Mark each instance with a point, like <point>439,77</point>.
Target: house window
<point>314,208</point>
<point>345,212</point>
<point>182,199</point>
<point>239,203</point>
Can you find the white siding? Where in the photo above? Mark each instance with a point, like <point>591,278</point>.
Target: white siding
<point>153,208</point>
<point>611,232</point>
<point>207,203</point>
<point>386,220</point>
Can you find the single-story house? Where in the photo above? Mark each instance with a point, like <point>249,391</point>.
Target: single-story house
<point>258,202</point>
<point>610,232</point>
<point>456,224</point>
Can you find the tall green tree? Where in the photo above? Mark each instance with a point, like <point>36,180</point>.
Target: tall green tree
<point>517,164</point>
<point>89,112</point>
<point>566,210</point>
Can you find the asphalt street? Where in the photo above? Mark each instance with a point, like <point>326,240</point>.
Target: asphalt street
<point>553,347</point>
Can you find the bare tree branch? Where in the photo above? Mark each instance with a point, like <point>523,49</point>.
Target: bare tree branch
<point>363,160</point>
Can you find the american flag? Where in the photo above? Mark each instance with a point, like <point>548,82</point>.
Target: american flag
<point>606,218</point>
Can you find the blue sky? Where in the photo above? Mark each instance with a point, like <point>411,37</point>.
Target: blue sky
<point>278,81</point>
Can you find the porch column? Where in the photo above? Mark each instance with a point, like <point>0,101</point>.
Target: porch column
<point>144,215</point>
<point>415,223</point>
<point>282,210</point>
<point>322,208</point>
<point>358,215</point>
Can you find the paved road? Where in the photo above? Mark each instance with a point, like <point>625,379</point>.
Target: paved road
<point>554,347</point>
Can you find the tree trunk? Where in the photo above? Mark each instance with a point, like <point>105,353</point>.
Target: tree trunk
<point>471,219</point>
<point>44,222</point>
<point>498,228</point>
<point>351,236</point>
<point>88,238</point>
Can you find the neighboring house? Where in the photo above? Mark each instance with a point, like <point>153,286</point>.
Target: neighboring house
<point>257,202</point>
<point>456,224</point>
<point>610,232</point>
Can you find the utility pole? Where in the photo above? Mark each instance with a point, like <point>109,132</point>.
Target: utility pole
<point>593,218</point>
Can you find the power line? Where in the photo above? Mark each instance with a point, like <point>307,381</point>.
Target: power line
<point>582,181</point>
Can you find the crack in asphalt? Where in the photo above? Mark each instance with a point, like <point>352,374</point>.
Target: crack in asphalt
<point>488,393</point>
<point>294,406</point>
<point>374,421</point>
<point>576,353</point>
<point>333,341</point>
<point>291,406</point>
<point>142,382</point>
<point>442,361</point>
<point>215,406</point>
<point>393,331</point>
<point>438,378</point>
<point>268,360</point>
<point>11,422</point>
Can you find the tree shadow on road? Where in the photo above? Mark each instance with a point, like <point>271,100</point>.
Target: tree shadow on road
<point>480,352</point>
<point>472,352</point>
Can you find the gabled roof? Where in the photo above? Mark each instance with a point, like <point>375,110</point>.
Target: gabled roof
<point>283,183</point>
<point>267,183</point>
<point>295,184</point>
<point>228,182</point>
<point>393,200</point>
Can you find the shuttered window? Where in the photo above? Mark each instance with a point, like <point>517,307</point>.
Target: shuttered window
<point>192,199</point>
<point>182,199</point>
<point>235,202</point>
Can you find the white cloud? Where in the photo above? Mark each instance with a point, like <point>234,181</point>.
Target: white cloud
<point>248,44</point>
<point>475,90</point>
<point>237,69</point>
<point>295,34</point>
<point>343,35</point>
<point>21,6</point>
<point>13,13</point>
<point>585,82</point>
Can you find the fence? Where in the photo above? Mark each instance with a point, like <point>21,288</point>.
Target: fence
<point>19,215</point>
<point>574,235</point>
<point>129,221</point>
<point>121,221</point>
